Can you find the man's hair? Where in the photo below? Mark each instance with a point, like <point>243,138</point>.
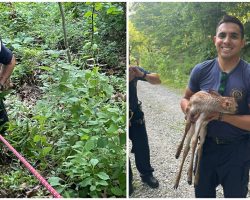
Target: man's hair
<point>231,19</point>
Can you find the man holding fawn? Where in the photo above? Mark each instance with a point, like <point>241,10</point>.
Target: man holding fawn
<point>226,151</point>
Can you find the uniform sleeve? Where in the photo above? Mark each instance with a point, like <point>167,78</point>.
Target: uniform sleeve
<point>5,55</point>
<point>194,80</point>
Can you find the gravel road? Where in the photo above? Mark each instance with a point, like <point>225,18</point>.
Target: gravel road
<point>165,125</point>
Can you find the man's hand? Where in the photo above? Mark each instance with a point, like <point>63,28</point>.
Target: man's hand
<point>134,72</point>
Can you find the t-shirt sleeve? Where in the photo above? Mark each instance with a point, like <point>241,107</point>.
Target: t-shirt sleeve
<point>194,80</point>
<point>5,55</point>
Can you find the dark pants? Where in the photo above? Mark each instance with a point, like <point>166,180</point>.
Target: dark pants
<point>223,164</point>
<point>3,117</point>
<point>140,147</point>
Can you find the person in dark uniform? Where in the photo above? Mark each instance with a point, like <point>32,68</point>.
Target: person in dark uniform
<point>226,152</point>
<point>7,64</point>
<point>137,128</point>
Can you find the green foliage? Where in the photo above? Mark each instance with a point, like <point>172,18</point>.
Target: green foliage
<point>14,179</point>
<point>74,127</point>
<point>73,131</point>
<point>171,38</point>
<point>39,24</point>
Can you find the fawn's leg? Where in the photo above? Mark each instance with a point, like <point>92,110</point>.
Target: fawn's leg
<point>203,133</point>
<point>185,153</point>
<point>193,145</point>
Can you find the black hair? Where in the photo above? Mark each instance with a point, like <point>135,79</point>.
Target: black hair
<point>231,19</point>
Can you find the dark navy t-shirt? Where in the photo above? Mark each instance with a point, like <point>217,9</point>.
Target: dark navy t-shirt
<point>5,54</point>
<point>206,76</point>
<point>133,98</point>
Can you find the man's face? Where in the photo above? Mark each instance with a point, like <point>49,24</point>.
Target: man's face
<point>228,41</point>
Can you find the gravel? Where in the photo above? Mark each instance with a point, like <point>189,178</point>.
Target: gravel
<point>165,125</point>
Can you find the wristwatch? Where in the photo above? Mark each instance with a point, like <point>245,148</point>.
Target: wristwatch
<point>144,75</point>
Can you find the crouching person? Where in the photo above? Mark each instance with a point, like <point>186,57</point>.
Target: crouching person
<point>7,62</point>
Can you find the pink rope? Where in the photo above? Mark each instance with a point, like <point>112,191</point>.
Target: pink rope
<point>32,170</point>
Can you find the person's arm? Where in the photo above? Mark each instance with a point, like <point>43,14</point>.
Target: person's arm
<point>185,100</point>
<point>7,70</point>
<point>240,121</point>
<point>152,78</point>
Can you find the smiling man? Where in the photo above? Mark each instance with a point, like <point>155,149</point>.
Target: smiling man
<point>226,152</point>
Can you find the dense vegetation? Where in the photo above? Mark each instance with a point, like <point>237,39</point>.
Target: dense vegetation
<point>171,38</point>
<point>66,114</point>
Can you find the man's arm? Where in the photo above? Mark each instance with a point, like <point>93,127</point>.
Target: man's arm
<point>152,78</point>
<point>7,70</point>
<point>240,121</point>
<point>185,100</point>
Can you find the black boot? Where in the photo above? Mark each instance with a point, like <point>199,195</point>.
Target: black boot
<point>150,180</point>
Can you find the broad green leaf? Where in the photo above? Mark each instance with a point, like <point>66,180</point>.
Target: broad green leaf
<point>98,6</point>
<point>92,188</point>
<point>37,138</point>
<point>86,130</point>
<point>113,128</point>
<point>103,175</point>
<point>92,123</point>
<point>46,150</point>
<point>122,137</point>
<point>43,139</point>
<point>88,14</point>
<point>85,137</point>
<point>79,144</point>
<point>54,181</point>
<point>90,144</point>
<point>86,181</point>
<point>116,191</point>
<point>102,182</point>
<point>45,68</point>
<point>73,99</point>
<point>94,162</point>
<point>94,46</point>
<point>102,142</point>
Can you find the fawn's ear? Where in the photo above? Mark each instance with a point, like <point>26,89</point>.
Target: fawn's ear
<point>214,93</point>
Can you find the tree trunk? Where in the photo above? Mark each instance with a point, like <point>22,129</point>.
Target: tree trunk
<point>64,31</point>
